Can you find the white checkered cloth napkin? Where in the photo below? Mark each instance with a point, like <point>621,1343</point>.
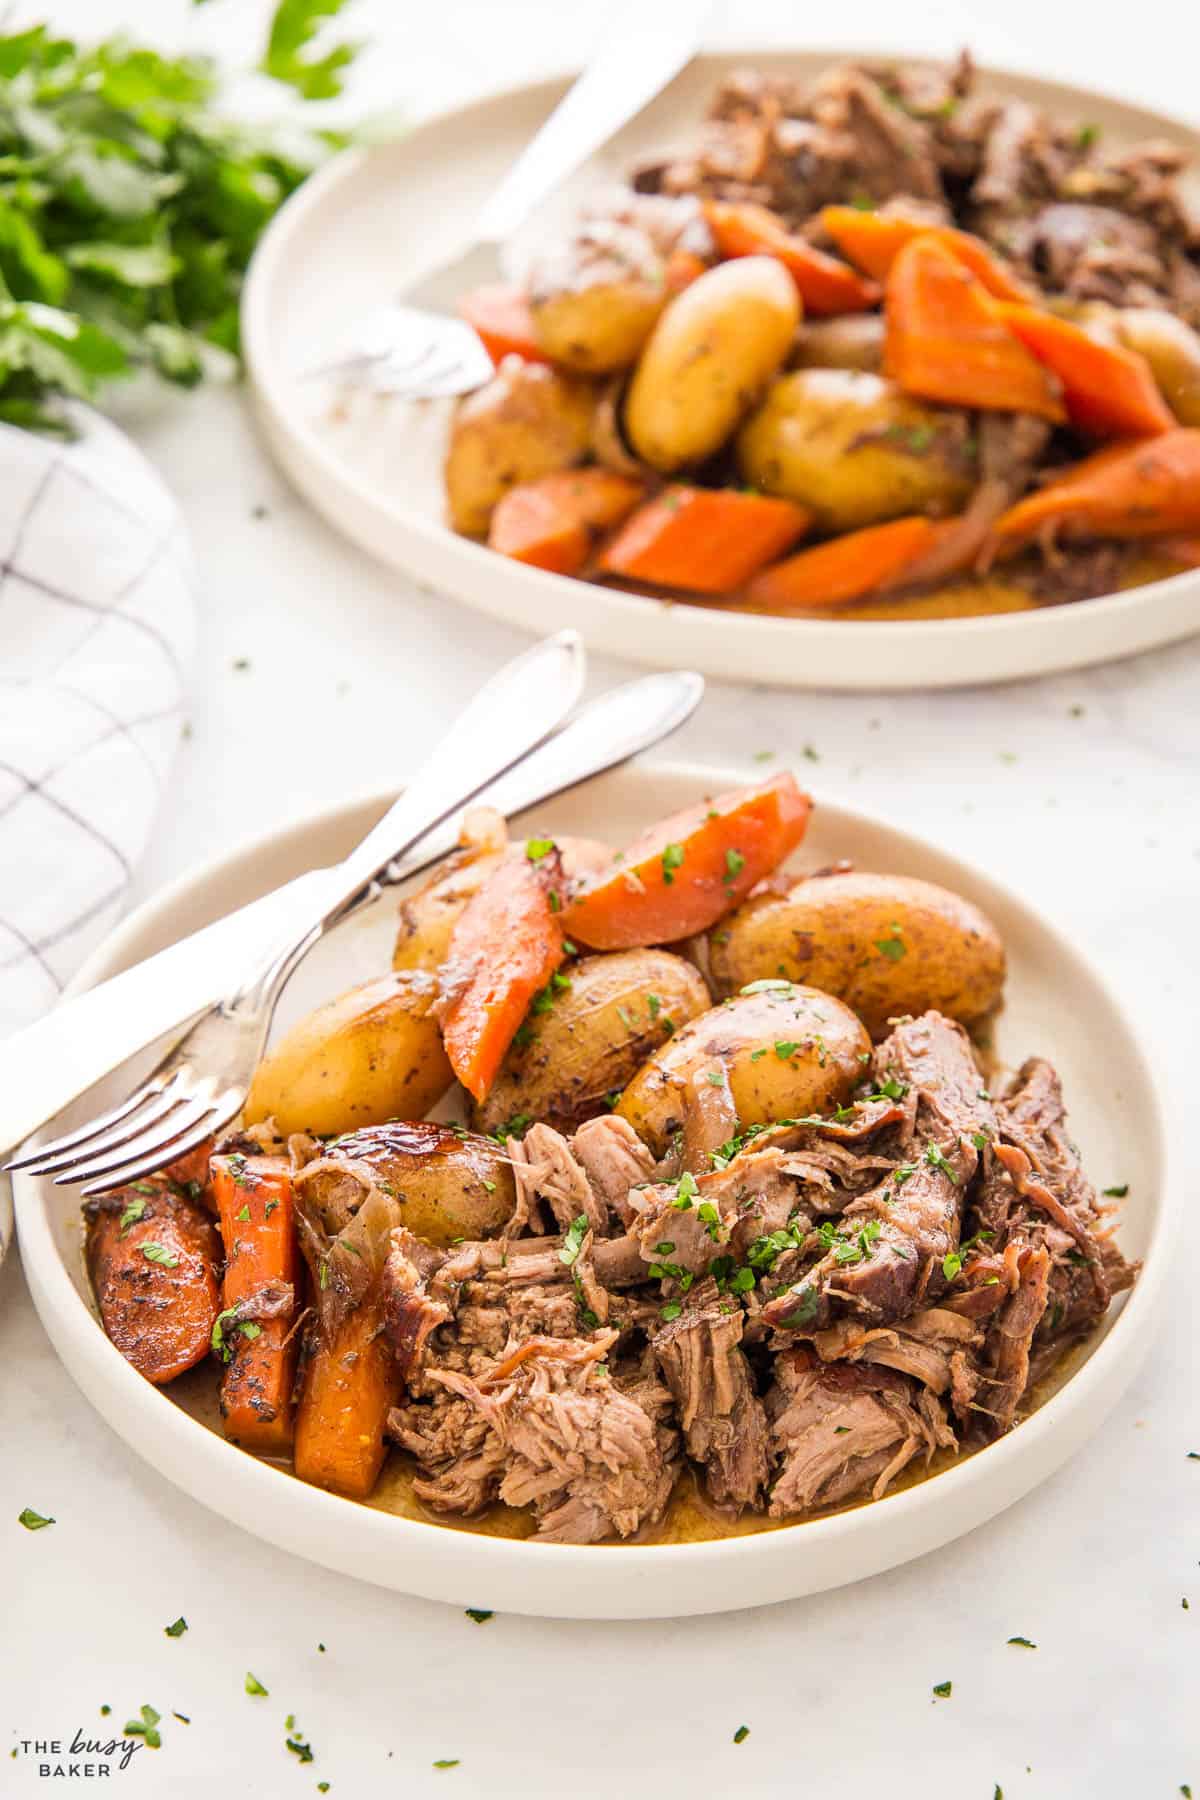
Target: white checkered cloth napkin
<point>97,619</point>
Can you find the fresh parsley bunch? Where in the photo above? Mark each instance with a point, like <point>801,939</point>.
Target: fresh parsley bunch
<point>129,206</point>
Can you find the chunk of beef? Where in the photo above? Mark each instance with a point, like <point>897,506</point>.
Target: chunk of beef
<point>1005,1361</point>
<point>545,1169</point>
<point>462,1462</point>
<point>840,1428</point>
<point>884,150</point>
<point>928,1345</point>
<point>614,1159</point>
<point>410,1312</point>
<point>888,1258</point>
<point>724,1425</point>
<point>576,1448</point>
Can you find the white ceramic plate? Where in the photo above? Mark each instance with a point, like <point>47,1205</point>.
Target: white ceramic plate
<point>1056,1004</point>
<point>373,219</point>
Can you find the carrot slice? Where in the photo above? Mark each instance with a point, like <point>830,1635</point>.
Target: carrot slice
<point>682,268</point>
<point>348,1387</point>
<point>873,242</point>
<point>684,873</point>
<point>706,540</point>
<point>501,316</point>
<point>551,523</point>
<point>825,285</point>
<point>947,340</point>
<point>152,1254</point>
<point>506,943</point>
<point>258,1225</point>
<point>1144,489</point>
<point>846,567</point>
<point>1109,391</point>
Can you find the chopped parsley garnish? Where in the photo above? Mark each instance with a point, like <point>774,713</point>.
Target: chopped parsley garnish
<point>936,1160</point>
<point>1117,1193</point>
<point>743,1731</point>
<point>237,1168</point>
<point>806,1311</point>
<point>479,1615</point>
<point>133,1212</point>
<point>671,1310</point>
<point>786,1048</point>
<point>33,1521</point>
<point>892,947</point>
<point>178,1628</point>
<point>735,862</point>
<point>715,1078</point>
<point>244,1215</point>
<point>654,1004</point>
<point>269,1208</point>
<point>537,848</point>
<point>943,1689</point>
<point>447,1762</point>
<point>145,1728</point>
<point>952,1265</point>
<point>685,1192</point>
<point>573,1241</point>
<point>1086,136</point>
<point>1024,1642</point>
<point>769,985</point>
<point>980,1140</point>
<point>254,1686</point>
<point>756,1055</point>
<point>672,859</point>
<point>158,1253</point>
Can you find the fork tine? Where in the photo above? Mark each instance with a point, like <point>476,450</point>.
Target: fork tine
<point>219,1114</point>
<point>142,1143</point>
<point>154,1104</point>
<point>93,1129</point>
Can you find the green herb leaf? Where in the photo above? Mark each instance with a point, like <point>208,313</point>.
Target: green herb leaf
<point>254,1686</point>
<point>735,862</point>
<point>33,1521</point>
<point>936,1160</point>
<point>479,1615</point>
<point>1024,1642</point>
<point>672,859</point>
<point>743,1731</point>
<point>537,848</point>
<point>158,1253</point>
<point>1117,1193</point>
<point>573,1241</point>
<point>293,29</point>
<point>892,947</point>
<point>447,1762</point>
<point>671,1310</point>
<point>943,1689</point>
<point>133,1212</point>
<point>178,1628</point>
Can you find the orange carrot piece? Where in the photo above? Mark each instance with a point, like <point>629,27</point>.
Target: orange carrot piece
<point>1181,548</point>
<point>873,242</point>
<point>825,285</point>
<point>348,1387</point>
<point>705,540</point>
<point>258,1226</point>
<point>1145,489</point>
<point>684,873</point>
<point>947,340</point>
<point>507,942</point>
<point>551,523</point>
<point>1109,391</point>
<point>846,568</point>
<point>501,316</point>
<point>152,1254</point>
<point>682,268</point>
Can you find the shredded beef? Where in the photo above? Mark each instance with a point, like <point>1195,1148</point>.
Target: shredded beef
<point>724,1425</point>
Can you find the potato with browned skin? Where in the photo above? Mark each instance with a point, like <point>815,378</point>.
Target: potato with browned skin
<point>528,421</point>
<point>887,945</point>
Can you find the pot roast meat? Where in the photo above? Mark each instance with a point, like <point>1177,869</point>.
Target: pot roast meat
<point>1004,1374</point>
<point>724,1425</point>
<point>839,1429</point>
<point>545,1169</point>
<point>614,1159</point>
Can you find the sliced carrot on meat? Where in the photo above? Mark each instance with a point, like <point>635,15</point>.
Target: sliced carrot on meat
<point>254,1335</point>
<point>501,316</point>
<point>505,946</point>
<point>1138,490</point>
<point>551,523</point>
<point>1109,391</point>
<point>825,285</point>
<point>705,540</point>
<point>348,1387</point>
<point>684,873</point>
<point>152,1254</point>
<point>946,339</point>
<point>846,568</point>
<point>873,241</point>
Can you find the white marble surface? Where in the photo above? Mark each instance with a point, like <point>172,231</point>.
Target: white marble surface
<point>1082,789</point>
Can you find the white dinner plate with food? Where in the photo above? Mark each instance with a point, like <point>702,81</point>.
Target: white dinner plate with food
<point>373,464</point>
<point>686,1554</point>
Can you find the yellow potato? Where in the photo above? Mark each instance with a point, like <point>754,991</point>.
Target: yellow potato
<point>374,1053</point>
<point>443,1184</point>
<point>528,421</point>
<point>853,341</point>
<point>788,1052</point>
<point>855,450</point>
<point>595,304</point>
<point>593,1036</point>
<point>709,358</point>
<point>887,945</point>
<point>1173,351</point>
<point>427,917</point>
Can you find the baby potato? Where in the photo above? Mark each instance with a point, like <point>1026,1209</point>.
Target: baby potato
<point>887,945</point>
<point>709,358</point>
<point>444,1185</point>
<point>1172,349</point>
<point>427,917</point>
<point>788,1051</point>
<point>855,450</point>
<point>595,305</point>
<point>528,421</point>
<point>593,1036</point>
<point>849,341</point>
<point>369,1055</point>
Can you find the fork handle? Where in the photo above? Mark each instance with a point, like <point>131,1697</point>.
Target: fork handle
<point>643,49</point>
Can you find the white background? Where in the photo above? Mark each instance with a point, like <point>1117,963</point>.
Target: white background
<point>1094,813</point>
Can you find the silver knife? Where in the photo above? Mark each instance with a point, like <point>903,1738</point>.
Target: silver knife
<point>50,1063</point>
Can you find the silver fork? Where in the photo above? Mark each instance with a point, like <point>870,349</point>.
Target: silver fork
<point>200,1085</point>
<point>415,347</point>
